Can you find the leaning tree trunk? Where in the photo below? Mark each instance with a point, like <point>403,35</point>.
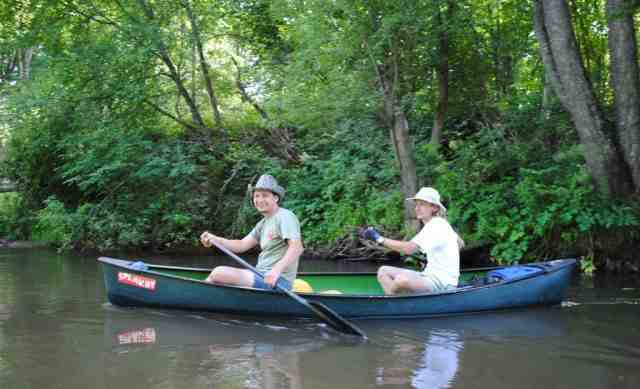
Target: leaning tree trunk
<point>626,82</point>
<point>204,68</point>
<point>400,139</point>
<point>403,146</point>
<point>563,65</point>
<point>388,75</point>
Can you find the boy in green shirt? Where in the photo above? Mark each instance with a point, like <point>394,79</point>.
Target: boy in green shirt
<point>278,234</point>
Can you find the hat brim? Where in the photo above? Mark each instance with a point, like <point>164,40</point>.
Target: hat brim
<point>276,191</point>
<point>428,201</point>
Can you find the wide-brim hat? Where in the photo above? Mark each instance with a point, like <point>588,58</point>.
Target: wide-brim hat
<point>429,195</point>
<point>268,182</point>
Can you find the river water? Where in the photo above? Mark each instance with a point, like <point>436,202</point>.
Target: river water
<point>58,331</point>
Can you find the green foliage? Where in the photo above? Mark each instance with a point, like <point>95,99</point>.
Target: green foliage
<point>587,265</point>
<point>107,151</point>
<point>354,186</point>
<point>14,221</point>
<point>31,154</point>
<point>528,195</point>
<point>53,224</point>
<point>152,194</point>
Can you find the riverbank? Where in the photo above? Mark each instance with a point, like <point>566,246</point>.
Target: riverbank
<point>21,244</point>
<point>348,250</point>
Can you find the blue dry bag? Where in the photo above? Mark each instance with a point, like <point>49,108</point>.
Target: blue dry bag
<point>139,265</point>
<point>513,272</point>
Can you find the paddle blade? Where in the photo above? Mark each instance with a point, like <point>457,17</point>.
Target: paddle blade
<point>336,321</point>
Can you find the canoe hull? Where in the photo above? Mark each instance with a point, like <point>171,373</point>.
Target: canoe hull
<point>128,287</point>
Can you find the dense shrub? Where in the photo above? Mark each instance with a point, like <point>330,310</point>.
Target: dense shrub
<point>527,200</point>
<point>350,180</point>
<point>15,220</point>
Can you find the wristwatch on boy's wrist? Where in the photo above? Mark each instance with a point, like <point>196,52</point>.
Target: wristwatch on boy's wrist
<point>380,240</point>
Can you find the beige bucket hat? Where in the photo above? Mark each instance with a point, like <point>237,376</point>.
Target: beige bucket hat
<point>429,195</point>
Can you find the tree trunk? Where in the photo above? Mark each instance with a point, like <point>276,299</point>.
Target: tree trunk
<point>443,78</point>
<point>194,72</point>
<point>396,121</point>
<point>8,62</point>
<point>559,51</point>
<point>403,146</point>
<point>204,67</point>
<point>626,82</point>
<point>400,139</point>
<point>25,56</point>
<point>547,97</point>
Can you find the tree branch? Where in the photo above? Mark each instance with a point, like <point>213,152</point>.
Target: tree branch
<point>170,115</point>
<point>243,92</point>
<point>175,76</point>
<point>213,101</point>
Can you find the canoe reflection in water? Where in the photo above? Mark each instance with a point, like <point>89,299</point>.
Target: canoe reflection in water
<point>193,350</point>
<point>184,350</point>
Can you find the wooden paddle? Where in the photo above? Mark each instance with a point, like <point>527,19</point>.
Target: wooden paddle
<point>319,310</point>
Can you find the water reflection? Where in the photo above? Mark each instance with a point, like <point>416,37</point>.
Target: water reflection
<point>440,361</point>
<point>57,332</point>
<point>183,350</point>
<point>432,352</point>
<point>211,350</point>
<point>433,364</point>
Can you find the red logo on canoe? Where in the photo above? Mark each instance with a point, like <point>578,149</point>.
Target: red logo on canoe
<point>144,336</point>
<point>137,280</point>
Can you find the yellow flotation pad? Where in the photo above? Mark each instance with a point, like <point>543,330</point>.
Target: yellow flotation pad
<point>331,291</point>
<point>301,286</point>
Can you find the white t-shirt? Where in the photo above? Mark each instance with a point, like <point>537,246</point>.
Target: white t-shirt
<point>439,242</point>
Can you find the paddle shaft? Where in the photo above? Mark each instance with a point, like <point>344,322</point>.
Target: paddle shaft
<point>319,310</point>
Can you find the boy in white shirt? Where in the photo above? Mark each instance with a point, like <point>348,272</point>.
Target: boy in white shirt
<point>437,240</point>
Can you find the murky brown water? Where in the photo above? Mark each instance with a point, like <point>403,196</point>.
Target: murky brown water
<point>58,331</point>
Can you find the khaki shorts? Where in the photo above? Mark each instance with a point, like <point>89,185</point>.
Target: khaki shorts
<point>435,284</point>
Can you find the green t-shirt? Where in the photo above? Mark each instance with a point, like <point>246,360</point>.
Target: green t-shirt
<point>272,233</point>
